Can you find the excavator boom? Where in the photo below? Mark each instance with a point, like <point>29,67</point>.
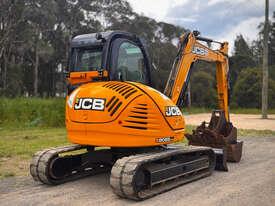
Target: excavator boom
<point>190,51</point>
<point>220,133</point>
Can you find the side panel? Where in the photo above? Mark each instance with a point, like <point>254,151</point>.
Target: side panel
<point>137,122</point>
<point>171,113</point>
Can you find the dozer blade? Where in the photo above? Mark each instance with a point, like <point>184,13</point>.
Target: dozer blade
<point>218,134</point>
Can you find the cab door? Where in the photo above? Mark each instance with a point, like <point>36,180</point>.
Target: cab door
<point>129,62</point>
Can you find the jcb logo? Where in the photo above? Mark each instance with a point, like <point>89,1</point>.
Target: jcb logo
<point>89,104</point>
<point>172,111</point>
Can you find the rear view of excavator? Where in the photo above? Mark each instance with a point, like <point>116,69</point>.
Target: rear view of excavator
<point>117,122</point>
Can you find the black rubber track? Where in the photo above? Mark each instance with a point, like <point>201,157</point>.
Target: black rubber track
<point>122,179</point>
<point>41,164</point>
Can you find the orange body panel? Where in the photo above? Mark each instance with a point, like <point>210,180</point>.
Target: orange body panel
<point>84,77</point>
<point>134,115</point>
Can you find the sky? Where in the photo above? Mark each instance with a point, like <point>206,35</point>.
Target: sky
<point>219,19</point>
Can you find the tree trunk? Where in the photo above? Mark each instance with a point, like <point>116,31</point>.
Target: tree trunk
<point>36,65</point>
<point>5,72</point>
<point>189,103</point>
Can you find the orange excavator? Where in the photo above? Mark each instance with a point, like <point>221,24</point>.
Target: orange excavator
<point>119,123</point>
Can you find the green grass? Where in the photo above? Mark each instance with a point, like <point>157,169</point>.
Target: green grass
<point>197,110</point>
<point>25,142</point>
<point>255,133</point>
<point>189,128</point>
<point>18,145</point>
<point>31,112</point>
<point>7,174</point>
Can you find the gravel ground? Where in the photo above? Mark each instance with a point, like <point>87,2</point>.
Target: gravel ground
<point>251,182</point>
<point>241,121</point>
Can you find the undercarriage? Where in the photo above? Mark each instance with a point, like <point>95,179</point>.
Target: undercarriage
<point>136,173</point>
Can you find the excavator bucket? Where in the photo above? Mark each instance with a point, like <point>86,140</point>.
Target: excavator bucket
<point>221,136</point>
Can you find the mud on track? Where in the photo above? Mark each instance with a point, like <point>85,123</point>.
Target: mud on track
<point>251,182</point>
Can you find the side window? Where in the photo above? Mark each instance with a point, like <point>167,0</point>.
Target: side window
<point>88,59</point>
<point>130,63</point>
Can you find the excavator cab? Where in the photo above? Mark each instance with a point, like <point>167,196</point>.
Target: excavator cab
<point>110,56</point>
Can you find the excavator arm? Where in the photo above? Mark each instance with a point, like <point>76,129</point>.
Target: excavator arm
<point>219,132</point>
<point>190,51</point>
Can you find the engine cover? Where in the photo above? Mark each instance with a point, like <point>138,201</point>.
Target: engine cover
<point>122,114</point>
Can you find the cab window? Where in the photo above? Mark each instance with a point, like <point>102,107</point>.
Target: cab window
<point>87,59</point>
<point>130,63</point>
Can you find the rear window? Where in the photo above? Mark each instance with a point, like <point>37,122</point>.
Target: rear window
<point>87,59</point>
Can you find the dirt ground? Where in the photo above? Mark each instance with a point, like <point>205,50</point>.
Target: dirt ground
<point>241,121</point>
<point>250,182</point>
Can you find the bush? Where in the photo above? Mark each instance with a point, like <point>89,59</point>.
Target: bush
<point>32,112</point>
<point>247,90</point>
<point>203,92</point>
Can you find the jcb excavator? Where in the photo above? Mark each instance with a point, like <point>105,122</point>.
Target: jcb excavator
<point>119,123</point>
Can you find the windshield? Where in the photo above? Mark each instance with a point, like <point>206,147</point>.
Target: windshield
<point>86,59</point>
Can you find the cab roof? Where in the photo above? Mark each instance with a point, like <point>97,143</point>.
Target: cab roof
<point>97,39</point>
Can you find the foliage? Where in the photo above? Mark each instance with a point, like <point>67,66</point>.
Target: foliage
<point>247,83</point>
<point>35,37</point>
<point>247,90</point>
<point>203,91</point>
<point>31,112</point>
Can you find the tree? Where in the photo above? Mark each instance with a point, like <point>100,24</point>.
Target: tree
<point>272,41</point>
<point>242,58</point>
<point>10,20</point>
<point>247,90</point>
<point>257,45</point>
<point>203,92</point>
<point>40,19</point>
<point>241,48</point>
<point>35,37</point>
